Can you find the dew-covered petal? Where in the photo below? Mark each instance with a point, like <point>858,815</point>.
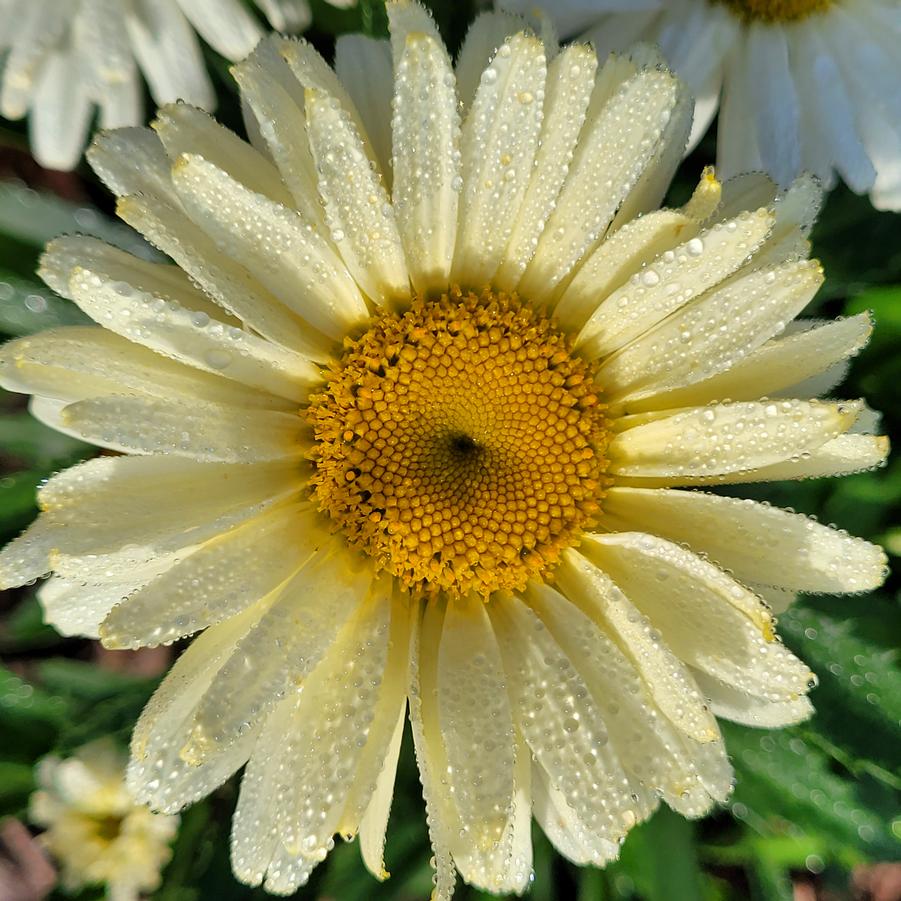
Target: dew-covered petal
<point>131,161</point>
<point>185,129</point>
<point>560,721</point>
<point>727,439</point>
<point>498,144</point>
<point>76,607</point>
<point>217,580</point>
<point>426,162</point>
<point>615,147</point>
<point>570,79</point>
<point>156,773</point>
<point>374,823</point>
<point>364,66</point>
<point>441,818</point>
<point>191,337</point>
<point>300,623</point>
<point>838,457</point>
<point>659,759</point>
<point>672,280</point>
<point>666,677</point>
<point>346,719</point>
<point>486,35</point>
<point>623,253</point>
<point>754,541</point>
<point>750,710</point>
<point>563,827</point>
<point>79,362</point>
<point>138,507</point>
<point>713,333</point>
<point>275,99</point>
<point>707,618</point>
<point>775,367</point>
<point>476,723</point>
<point>280,250</point>
<point>201,430</point>
<point>359,215</point>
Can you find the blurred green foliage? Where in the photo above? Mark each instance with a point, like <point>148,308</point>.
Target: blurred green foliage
<point>811,802</point>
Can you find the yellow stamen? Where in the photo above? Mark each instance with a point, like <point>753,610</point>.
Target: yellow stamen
<point>460,444</point>
<point>776,10</point>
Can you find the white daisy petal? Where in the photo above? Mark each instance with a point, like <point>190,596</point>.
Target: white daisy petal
<point>364,66</point>
<point>223,24</point>
<point>196,429</point>
<point>745,708</point>
<point>219,579</point>
<point>604,169</point>
<point>659,759</point>
<point>140,508</point>
<point>674,279</point>
<point>498,144</point>
<point>700,340</point>
<point>169,54</point>
<point>709,620</point>
<point>163,727</point>
<point>307,277</point>
<point>272,92</point>
<point>62,112</point>
<point>295,631</point>
<point>131,161</point>
<point>727,439</point>
<point>751,540</point>
<point>668,682</point>
<point>488,33</point>
<point>360,217</point>
<point>194,337</point>
<point>570,79</point>
<point>775,367</point>
<point>440,816</point>
<point>185,129</point>
<point>426,161</point>
<point>560,722</point>
<point>476,722</point>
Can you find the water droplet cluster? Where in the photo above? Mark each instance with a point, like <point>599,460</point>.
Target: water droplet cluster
<point>460,444</point>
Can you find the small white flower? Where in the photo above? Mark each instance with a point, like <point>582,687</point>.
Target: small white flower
<point>94,829</point>
<point>800,85</point>
<point>66,57</point>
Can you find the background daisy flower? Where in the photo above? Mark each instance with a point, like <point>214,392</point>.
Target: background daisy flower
<point>67,58</point>
<point>800,85</point>
<point>422,422</point>
<point>93,827</point>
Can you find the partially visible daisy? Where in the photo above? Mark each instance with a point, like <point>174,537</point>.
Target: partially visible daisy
<point>94,828</point>
<point>67,57</point>
<point>419,422</point>
<point>801,85</point>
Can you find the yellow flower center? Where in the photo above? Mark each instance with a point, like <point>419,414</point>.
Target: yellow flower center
<point>460,444</point>
<point>776,10</point>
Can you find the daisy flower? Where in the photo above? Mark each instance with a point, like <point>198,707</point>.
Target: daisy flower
<point>94,828</point>
<point>420,422</point>
<point>800,85</point>
<point>66,57</point>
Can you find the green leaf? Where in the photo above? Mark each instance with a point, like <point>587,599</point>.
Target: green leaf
<point>28,306</point>
<point>25,628</point>
<point>661,857</point>
<point>858,700</point>
<point>785,784</point>
<point>23,436</point>
<point>34,218</point>
<point>16,784</point>
<point>86,682</point>
<point>30,718</point>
